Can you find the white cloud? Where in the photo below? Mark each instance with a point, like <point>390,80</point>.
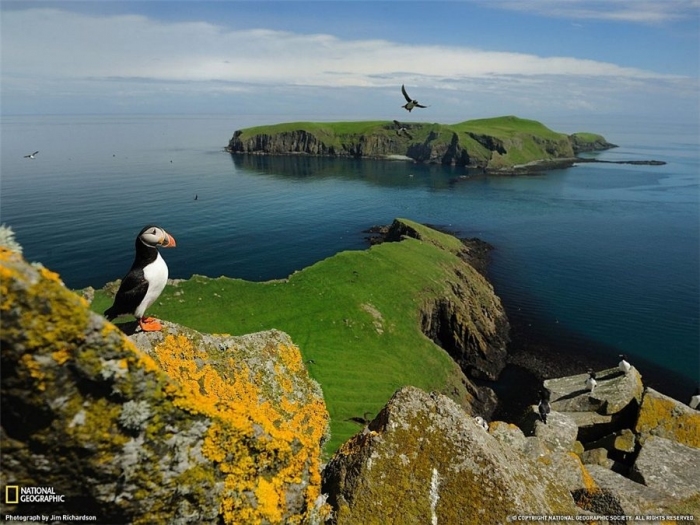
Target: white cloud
<point>634,11</point>
<point>58,53</point>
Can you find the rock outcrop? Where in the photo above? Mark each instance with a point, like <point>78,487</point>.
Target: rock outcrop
<point>175,427</point>
<point>424,460</point>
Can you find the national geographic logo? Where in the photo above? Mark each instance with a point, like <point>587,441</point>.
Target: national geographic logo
<point>14,494</point>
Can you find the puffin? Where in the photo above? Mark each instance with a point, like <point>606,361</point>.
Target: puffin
<point>543,407</point>
<point>623,365</point>
<point>146,279</point>
<point>591,382</point>
<point>695,400</point>
<point>410,103</point>
<point>31,155</point>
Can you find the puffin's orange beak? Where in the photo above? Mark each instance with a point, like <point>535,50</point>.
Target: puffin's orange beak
<point>168,241</point>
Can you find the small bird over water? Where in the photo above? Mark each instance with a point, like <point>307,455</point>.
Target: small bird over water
<point>623,365</point>
<point>591,382</point>
<point>146,279</point>
<point>31,155</point>
<point>543,407</point>
<point>410,103</point>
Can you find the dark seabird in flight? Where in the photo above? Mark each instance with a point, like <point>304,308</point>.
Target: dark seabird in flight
<point>401,130</point>
<point>543,407</point>
<point>31,155</point>
<point>591,382</point>
<point>146,279</point>
<point>365,420</point>
<point>623,365</point>
<point>695,400</point>
<point>410,103</point>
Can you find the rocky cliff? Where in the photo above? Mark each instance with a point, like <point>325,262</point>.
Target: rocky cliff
<point>173,427</point>
<point>490,144</point>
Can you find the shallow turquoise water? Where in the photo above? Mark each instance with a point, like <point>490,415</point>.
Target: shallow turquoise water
<point>609,253</point>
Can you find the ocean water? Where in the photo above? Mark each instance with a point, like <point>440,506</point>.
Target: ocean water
<point>598,256</point>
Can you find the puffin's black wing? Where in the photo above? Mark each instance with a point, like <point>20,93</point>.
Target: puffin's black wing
<point>397,124</point>
<point>403,90</point>
<point>419,106</point>
<point>130,294</point>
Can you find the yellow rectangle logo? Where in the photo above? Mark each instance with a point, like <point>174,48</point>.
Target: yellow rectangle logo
<point>12,494</point>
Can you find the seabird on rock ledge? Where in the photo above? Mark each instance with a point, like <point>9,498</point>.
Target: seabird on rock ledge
<point>623,365</point>
<point>695,400</point>
<point>543,407</point>
<point>146,279</point>
<point>591,382</point>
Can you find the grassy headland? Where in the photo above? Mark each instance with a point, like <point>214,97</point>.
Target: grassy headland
<point>356,318</point>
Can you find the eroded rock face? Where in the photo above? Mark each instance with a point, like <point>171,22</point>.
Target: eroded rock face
<point>468,320</point>
<point>188,428</point>
<point>424,460</point>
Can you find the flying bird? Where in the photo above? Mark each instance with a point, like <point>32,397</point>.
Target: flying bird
<point>410,103</point>
<point>401,130</point>
<point>146,279</point>
<point>543,407</point>
<point>591,382</point>
<point>31,155</point>
<point>623,365</point>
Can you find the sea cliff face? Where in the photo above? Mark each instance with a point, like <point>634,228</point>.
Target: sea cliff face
<point>489,144</point>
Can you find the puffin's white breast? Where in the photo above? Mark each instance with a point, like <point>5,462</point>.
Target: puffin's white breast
<point>156,274</point>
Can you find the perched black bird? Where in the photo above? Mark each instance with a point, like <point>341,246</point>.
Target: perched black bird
<point>591,382</point>
<point>146,279</point>
<point>401,130</point>
<point>31,155</point>
<point>410,103</point>
<point>543,407</point>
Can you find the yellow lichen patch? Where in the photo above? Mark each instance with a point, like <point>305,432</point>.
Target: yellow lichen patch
<point>268,500</point>
<point>588,481</point>
<point>61,356</point>
<point>250,433</point>
<point>49,275</point>
<point>34,369</point>
<point>659,415</point>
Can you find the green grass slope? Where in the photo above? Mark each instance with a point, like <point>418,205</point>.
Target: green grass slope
<point>355,317</point>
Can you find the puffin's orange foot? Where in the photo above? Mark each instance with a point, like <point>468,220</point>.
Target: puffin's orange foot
<point>150,324</point>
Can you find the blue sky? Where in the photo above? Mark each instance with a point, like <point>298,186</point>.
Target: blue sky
<point>348,59</point>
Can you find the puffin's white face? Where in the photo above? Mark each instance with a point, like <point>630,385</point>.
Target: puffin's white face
<point>155,236</point>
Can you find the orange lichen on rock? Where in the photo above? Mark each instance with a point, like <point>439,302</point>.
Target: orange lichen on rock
<point>263,443</point>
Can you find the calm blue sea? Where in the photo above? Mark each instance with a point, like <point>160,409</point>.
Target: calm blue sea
<point>606,253</point>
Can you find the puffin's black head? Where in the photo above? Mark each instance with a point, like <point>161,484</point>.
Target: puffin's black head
<point>592,375</point>
<point>154,236</point>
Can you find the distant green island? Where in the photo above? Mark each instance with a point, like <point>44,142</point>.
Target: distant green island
<point>495,145</point>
